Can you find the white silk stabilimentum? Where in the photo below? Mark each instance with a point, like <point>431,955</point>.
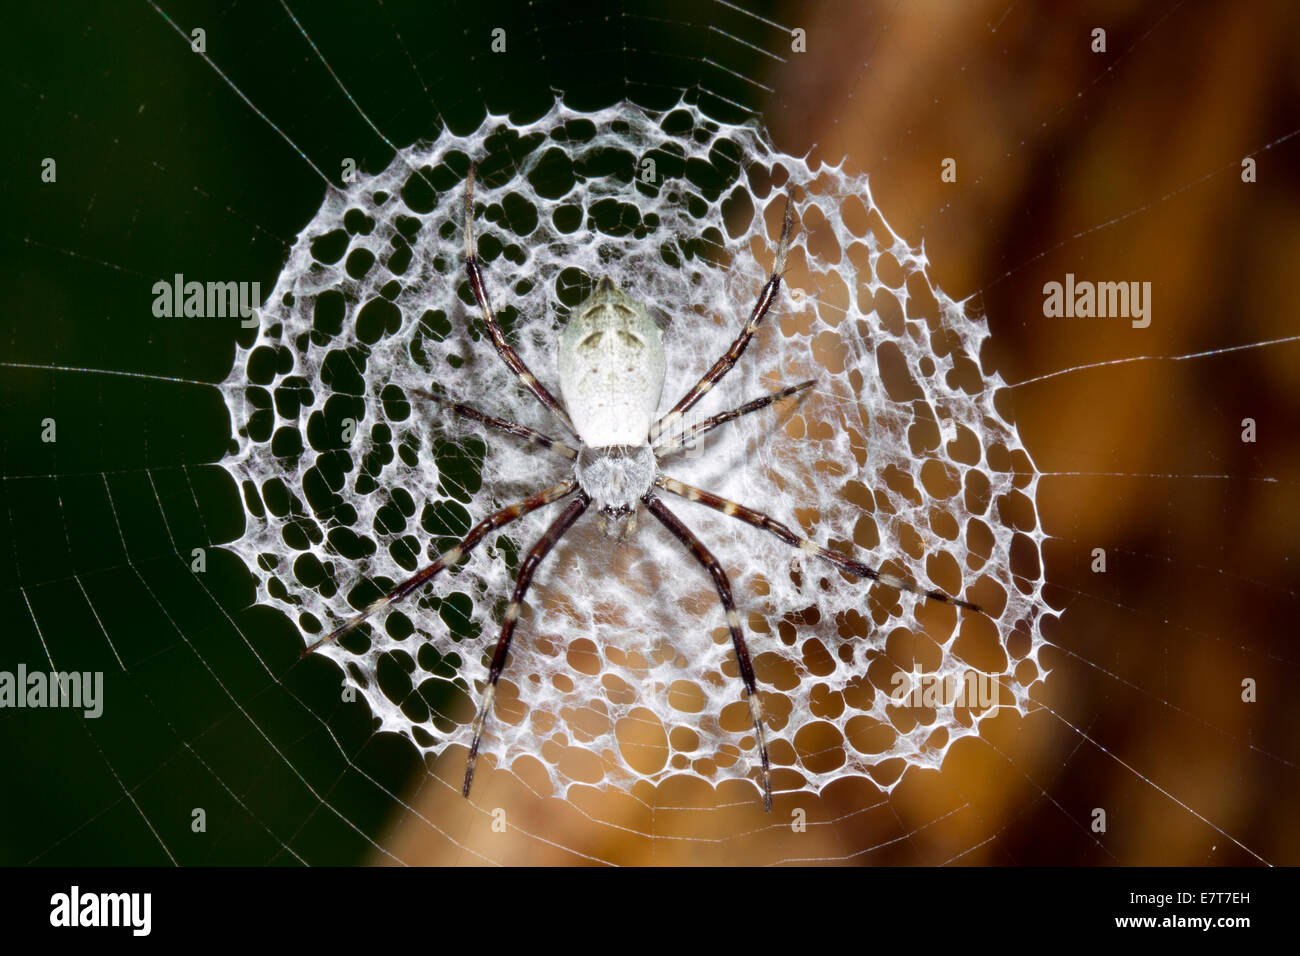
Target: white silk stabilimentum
<point>622,668</point>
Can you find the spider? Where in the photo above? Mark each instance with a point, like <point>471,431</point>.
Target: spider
<point>611,370</point>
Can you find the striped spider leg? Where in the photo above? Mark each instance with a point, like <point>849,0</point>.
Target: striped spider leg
<point>723,586</point>
<point>498,519</point>
<point>728,361</point>
<point>525,578</point>
<point>508,354</point>
<point>806,545</point>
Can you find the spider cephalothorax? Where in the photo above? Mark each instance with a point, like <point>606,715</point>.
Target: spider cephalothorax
<point>616,478</point>
<point>611,364</point>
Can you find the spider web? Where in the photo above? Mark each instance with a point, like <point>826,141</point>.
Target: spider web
<point>620,733</point>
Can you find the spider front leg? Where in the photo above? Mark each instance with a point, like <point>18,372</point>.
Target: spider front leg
<point>508,355</point>
<point>723,586</point>
<point>526,571</point>
<point>728,361</point>
<point>519,431</point>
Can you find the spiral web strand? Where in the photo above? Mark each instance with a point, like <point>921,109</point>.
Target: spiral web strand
<point>622,673</point>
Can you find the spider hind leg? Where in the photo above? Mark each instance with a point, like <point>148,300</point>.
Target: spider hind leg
<point>722,585</point>
<point>525,578</point>
<point>497,519</point>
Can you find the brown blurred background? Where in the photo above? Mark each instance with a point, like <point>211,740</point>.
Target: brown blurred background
<point>1116,166</point>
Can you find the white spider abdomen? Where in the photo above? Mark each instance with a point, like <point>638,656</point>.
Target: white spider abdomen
<point>611,368</point>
